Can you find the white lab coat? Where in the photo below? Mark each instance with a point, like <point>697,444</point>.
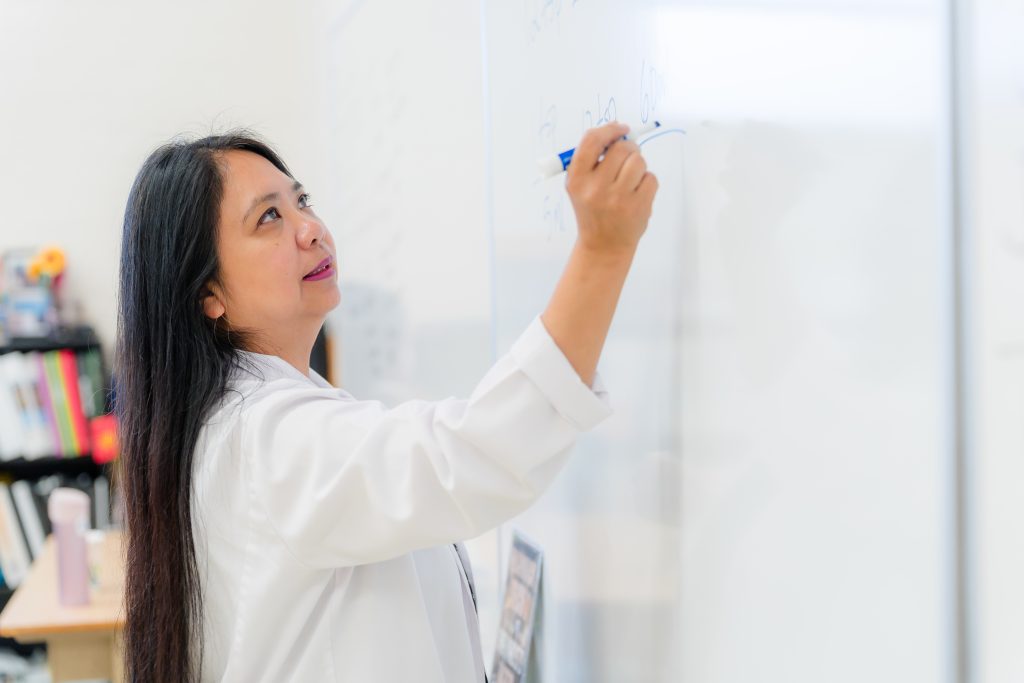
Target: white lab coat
<point>324,524</point>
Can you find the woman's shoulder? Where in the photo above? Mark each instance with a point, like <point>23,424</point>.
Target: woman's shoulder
<point>257,378</point>
<point>252,376</point>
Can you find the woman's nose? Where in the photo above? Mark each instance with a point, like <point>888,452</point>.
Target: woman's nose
<point>310,231</point>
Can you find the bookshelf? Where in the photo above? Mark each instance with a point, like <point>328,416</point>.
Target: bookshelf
<point>78,468</point>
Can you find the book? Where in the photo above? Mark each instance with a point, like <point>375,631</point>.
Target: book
<point>28,515</point>
<point>35,359</point>
<point>101,502</point>
<point>69,382</point>
<point>43,487</point>
<point>58,401</point>
<point>39,498</point>
<point>12,414</point>
<point>14,555</point>
<point>85,388</point>
<point>91,385</point>
<point>37,436</point>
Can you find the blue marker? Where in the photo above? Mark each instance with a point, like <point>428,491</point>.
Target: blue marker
<point>557,163</point>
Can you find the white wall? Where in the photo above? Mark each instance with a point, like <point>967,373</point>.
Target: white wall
<point>993,135</point>
<point>88,89</point>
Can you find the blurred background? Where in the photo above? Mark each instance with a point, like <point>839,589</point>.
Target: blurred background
<point>814,469</point>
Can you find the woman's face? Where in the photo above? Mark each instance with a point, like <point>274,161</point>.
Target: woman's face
<point>268,239</point>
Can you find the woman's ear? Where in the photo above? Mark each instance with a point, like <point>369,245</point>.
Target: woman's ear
<point>213,307</point>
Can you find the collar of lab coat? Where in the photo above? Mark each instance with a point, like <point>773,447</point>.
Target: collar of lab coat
<point>275,367</point>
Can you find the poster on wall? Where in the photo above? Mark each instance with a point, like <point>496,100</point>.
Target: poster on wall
<point>515,654</point>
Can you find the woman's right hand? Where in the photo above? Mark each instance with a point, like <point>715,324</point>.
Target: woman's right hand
<point>612,197</point>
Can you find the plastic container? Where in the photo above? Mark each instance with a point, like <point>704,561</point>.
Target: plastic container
<point>69,516</point>
<point>94,539</point>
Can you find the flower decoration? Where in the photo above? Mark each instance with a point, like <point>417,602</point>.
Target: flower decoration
<point>48,263</point>
<point>52,260</point>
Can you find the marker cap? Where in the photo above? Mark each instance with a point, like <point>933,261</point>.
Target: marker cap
<point>550,166</point>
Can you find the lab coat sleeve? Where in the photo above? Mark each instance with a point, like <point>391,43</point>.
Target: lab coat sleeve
<point>346,482</point>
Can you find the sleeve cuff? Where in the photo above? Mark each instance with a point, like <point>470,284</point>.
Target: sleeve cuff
<point>540,359</point>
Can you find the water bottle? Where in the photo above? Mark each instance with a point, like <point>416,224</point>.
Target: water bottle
<point>69,516</point>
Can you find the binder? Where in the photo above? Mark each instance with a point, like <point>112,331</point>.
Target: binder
<point>69,382</point>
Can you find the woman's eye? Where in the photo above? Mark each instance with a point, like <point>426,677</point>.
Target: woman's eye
<point>268,212</point>
<point>304,200</point>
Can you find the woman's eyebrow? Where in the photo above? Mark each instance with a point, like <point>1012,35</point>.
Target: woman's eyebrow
<point>266,198</point>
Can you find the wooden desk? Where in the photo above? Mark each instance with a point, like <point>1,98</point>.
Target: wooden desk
<point>82,642</point>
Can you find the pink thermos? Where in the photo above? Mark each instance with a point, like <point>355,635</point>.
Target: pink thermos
<point>69,516</point>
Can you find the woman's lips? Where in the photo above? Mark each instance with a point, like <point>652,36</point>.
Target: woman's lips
<point>320,265</point>
<point>325,273</point>
<point>328,269</point>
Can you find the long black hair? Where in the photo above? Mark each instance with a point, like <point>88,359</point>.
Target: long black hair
<point>172,363</point>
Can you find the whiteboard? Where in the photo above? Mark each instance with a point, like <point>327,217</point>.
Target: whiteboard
<point>405,198</point>
<point>770,501</point>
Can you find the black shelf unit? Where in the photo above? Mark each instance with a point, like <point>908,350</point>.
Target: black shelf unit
<point>75,338</point>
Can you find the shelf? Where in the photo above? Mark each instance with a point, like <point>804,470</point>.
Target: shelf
<point>79,337</point>
<point>20,468</point>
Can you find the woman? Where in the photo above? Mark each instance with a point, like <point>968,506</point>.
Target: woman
<point>278,529</point>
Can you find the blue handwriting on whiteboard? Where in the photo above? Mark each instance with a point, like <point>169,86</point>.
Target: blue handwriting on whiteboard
<point>652,85</point>
<point>605,112</point>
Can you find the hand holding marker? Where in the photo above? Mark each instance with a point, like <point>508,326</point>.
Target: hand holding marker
<point>555,164</point>
<point>611,191</point>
